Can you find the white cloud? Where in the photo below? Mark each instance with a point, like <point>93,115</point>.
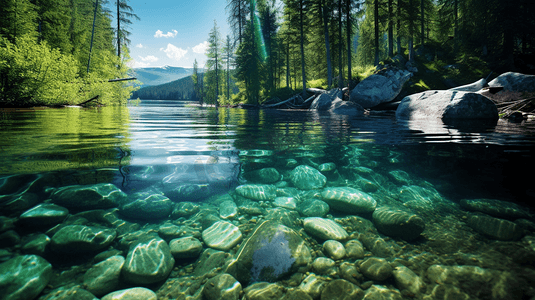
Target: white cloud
<point>149,58</point>
<point>160,34</point>
<point>174,52</point>
<point>139,46</point>
<point>201,48</point>
<point>138,64</point>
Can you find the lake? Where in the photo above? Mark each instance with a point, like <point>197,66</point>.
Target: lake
<point>171,198</point>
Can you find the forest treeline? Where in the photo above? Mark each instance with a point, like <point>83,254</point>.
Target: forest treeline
<point>289,45</point>
<point>55,52</point>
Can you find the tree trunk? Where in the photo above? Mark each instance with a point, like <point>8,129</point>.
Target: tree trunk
<point>422,20</point>
<point>348,37</point>
<point>301,13</point>
<point>390,28</point>
<point>118,30</point>
<point>376,23</point>
<point>327,45</point>
<point>398,28</point>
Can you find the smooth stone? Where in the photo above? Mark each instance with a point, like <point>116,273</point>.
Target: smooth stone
<point>377,245</point>
<point>376,268</point>
<point>69,293</point>
<point>259,192</point>
<point>348,200</point>
<point>313,208</point>
<point>307,178</point>
<point>103,278</point>
<point>6,223</point>
<point>272,252</point>
<point>24,277</point>
<point>400,177</point>
<point>211,262</point>
<point>263,291</point>
<point>86,197</point>
<point>43,215</point>
<point>471,87</point>
<point>296,295</point>
<point>327,167</point>
<point>398,223</point>
<point>36,244</point>
<point>9,238</point>
<point>379,88</point>
<point>516,82</point>
<point>341,289</point>
<point>186,247</point>
<point>82,239</point>
<point>496,208</point>
<point>354,249</point>
<point>265,175</point>
<point>189,192</point>
<point>285,202</point>
<point>377,292</point>
<point>284,216</point>
<point>324,265</point>
<point>147,206</point>
<point>185,209</point>
<point>334,249</point>
<point>349,272</point>
<point>324,229</point>
<point>312,285</point>
<point>494,228</point>
<point>228,209</point>
<point>137,293</point>
<point>222,235</point>
<point>148,262</point>
<point>406,279</point>
<point>222,287</point>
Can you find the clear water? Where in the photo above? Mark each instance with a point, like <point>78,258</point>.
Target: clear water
<point>160,144</point>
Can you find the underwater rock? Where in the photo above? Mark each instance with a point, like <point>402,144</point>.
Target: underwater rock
<point>349,272</point>
<point>334,249</point>
<point>354,249</point>
<point>313,208</point>
<point>307,178</point>
<point>170,231</point>
<point>398,223</point>
<point>272,252</point>
<point>377,245</point>
<point>324,266</point>
<point>81,239</point>
<point>259,192</point>
<point>86,197</point>
<point>210,263</point>
<point>69,293</point>
<point>24,277</point>
<point>228,209</point>
<point>495,228</point>
<point>312,285</point>
<point>186,247</point>
<point>189,192</point>
<point>496,208</point>
<point>148,262</point>
<point>324,229</point>
<point>265,175</point>
<point>327,167</point>
<point>222,287</point>
<point>263,291</point>
<point>222,235</point>
<point>348,108</point>
<point>35,244</point>
<point>400,177</point>
<point>382,292</point>
<point>103,277</point>
<point>341,289</point>
<point>284,216</point>
<point>147,206</point>
<point>185,209</point>
<point>137,293</point>
<point>44,214</point>
<point>376,268</point>
<point>9,238</point>
<point>296,294</point>
<point>406,279</point>
<point>285,202</point>
<point>348,200</point>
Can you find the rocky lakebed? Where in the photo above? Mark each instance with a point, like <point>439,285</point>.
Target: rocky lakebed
<point>294,228</point>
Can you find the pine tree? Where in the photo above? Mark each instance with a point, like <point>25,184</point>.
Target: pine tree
<point>125,14</point>
<point>213,63</point>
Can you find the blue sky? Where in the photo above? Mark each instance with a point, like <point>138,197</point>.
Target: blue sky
<point>174,32</point>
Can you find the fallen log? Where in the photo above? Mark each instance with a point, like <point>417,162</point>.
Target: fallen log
<point>87,101</point>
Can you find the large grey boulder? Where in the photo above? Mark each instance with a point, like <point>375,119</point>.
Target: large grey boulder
<point>272,252</point>
<point>340,107</point>
<point>24,277</point>
<point>471,87</point>
<point>515,82</point>
<point>377,89</point>
<point>447,105</point>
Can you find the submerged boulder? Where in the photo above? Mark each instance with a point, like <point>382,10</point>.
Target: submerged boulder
<point>377,89</point>
<point>272,252</point>
<point>24,277</point>
<point>86,197</point>
<point>447,105</point>
<point>307,178</point>
<point>398,223</point>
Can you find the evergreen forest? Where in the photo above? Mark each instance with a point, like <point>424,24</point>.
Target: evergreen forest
<point>61,52</point>
<point>280,47</point>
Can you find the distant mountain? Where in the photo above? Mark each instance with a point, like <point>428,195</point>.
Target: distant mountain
<point>160,75</point>
<point>174,90</point>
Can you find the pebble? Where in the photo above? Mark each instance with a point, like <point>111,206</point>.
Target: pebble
<point>258,192</point>
<point>334,249</point>
<point>148,262</point>
<point>495,228</point>
<point>398,223</point>
<point>376,268</point>
<point>186,247</point>
<point>341,289</point>
<point>24,277</point>
<point>222,235</point>
<point>137,293</point>
<point>307,178</point>
<point>44,214</point>
<point>348,200</point>
<point>228,209</point>
<point>222,287</point>
<point>103,277</point>
<point>86,197</point>
<point>285,202</point>
<point>324,229</point>
<point>81,239</point>
<point>354,249</point>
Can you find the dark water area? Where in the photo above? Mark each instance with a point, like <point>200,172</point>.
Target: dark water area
<point>176,165</point>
